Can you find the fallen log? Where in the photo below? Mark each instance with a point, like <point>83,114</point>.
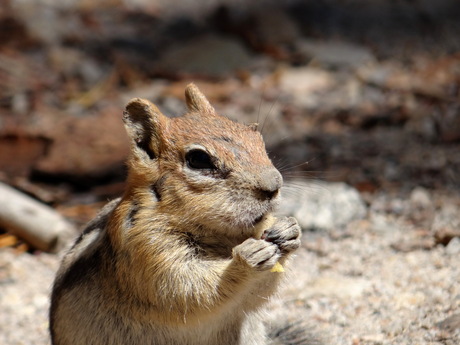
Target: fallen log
<point>34,222</point>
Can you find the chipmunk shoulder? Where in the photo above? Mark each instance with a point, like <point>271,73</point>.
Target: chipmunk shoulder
<point>180,258</point>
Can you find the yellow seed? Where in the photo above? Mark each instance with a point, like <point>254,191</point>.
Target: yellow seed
<point>277,268</point>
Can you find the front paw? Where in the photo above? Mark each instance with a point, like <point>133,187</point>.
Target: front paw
<point>285,234</point>
<point>258,254</point>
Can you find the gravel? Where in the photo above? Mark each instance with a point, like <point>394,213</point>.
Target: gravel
<point>25,282</point>
<point>354,286</point>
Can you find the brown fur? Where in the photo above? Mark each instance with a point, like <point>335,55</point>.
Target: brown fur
<point>175,261</point>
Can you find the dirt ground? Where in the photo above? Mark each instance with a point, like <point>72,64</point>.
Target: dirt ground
<point>359,105</point>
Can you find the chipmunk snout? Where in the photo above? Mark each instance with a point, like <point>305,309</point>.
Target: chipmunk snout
<point>270,182</point>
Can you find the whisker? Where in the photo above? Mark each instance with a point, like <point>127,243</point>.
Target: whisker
<point>269,113</point>
<point>299,189</point>
<point>285,138</point>
<point>305,173</point>
<point>280,163</point>
<point>290,167</point>
<point>260,106</point>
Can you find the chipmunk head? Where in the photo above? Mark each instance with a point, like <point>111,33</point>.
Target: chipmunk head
<point>202,168</point>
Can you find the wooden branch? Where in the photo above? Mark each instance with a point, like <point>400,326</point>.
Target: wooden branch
<point>27,218</point>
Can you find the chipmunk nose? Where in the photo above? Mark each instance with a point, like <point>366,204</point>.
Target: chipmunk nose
<point>270,182</point>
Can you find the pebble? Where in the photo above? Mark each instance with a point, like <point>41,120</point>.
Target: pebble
<point>453,248</point>
<point>212,56</point>
<point>448,217</point>
<point>337,54</point>
<point>300,81</point>
<point>323,206</point>
<point>420,197</point>
<point>381,224</point>
<point>336,286</point>
<point>451,323</point>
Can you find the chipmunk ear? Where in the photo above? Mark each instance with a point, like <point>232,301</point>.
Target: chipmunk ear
<point>144,124</point>
<point>196,101</point>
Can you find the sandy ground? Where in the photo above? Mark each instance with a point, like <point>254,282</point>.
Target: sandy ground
<point>375,281</point>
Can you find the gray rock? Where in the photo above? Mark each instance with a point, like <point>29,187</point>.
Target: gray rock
<point>338,286</point>
<point>304,84</point>
<point>450,324</point>
<point>453,248</point>
<point>420,198</point>
<point>337,54</point>
<point>211,56</point>
<point>383,225</point>
<point>448,217</point>
<point>323,206</point>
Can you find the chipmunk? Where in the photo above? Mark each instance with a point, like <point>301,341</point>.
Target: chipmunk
<point>186,256</point>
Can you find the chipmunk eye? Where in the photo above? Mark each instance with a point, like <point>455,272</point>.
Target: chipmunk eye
<point>199,159</point>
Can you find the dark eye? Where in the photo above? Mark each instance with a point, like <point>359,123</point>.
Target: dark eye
<point>199,159</point>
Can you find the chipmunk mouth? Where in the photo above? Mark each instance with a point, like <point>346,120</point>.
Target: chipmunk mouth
<point>263,214</point>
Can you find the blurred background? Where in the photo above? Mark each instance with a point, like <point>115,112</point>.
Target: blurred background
<point>360,92</point>
<point>365,92</point>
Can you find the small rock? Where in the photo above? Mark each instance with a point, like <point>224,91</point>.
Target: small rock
<point>390,75</point>
<point>409,299</point>
<point>453,248</point>
<point>302,82</point>
<point>420,198</point>
<point>336,286</point>
<point>306,79</point>
<point>325,206</point>
<point>336,53</point>
<point>382,224</point>
<point>450,324</point>
<point>420,207</point>
<point>20,103</point>
<point>376,339</point>
<point>448,217</point>
<point>211,56</point>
